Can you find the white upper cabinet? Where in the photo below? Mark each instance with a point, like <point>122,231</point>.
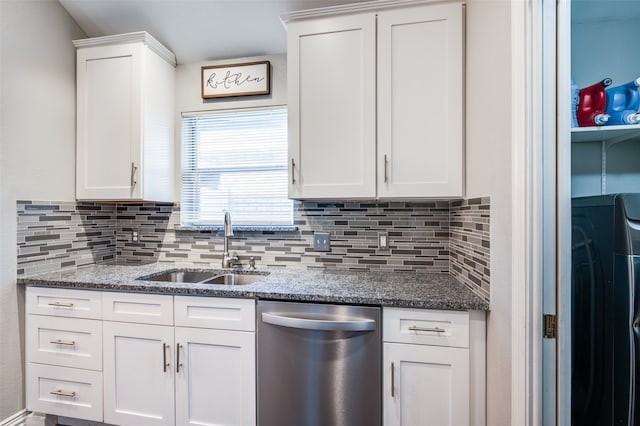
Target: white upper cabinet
<point>376,101</point>
<point>420,102</point>
<point>125,118</point>
<point>331,79</point>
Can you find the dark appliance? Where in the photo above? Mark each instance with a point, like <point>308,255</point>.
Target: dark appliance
<point>605,310</point>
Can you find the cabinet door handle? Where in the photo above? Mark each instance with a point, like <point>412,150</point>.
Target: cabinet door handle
<point>431,329</point>
<point>63,342</point>
<point>386,169</point>
<point>60,392</point>
<point>60,305</point>
<point>133,175</point>
<point>165,364</point>
<point>293,175</point>
<point>393,380</point>
<point>178,363</point>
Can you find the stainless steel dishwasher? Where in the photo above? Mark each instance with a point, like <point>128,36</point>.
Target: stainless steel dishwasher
<point>318,365</point>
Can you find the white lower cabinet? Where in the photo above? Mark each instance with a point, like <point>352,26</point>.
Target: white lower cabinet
<point>132,359</point>
<point>157,375</point>
<point>138,374</point>
<point>215,361</point>
<point>426,385</point>
<point>63,341</point>
<point>433,368</point>
<point>215,377</point>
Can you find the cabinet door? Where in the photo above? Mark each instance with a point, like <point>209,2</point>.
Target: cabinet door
<point>138,374</point>
<point>331,90</point>
<point>109,127</point>
<point>420,102</point>
<point>215,378</point>
<point>425,385</point>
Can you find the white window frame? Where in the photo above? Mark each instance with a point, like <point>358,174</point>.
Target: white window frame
<point>190,189</point>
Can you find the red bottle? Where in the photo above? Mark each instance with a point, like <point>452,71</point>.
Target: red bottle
<point>592,104</point>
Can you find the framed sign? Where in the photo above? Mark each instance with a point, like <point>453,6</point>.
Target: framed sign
<point>250,78</point>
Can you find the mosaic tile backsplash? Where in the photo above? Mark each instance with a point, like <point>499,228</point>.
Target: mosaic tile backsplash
<point>470,244</point>
<point>437,236</point>
<point>54,236</point>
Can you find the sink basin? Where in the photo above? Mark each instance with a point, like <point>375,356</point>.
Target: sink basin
<point>176,276</point>
<point>215,277</point>
<point>234,279</point>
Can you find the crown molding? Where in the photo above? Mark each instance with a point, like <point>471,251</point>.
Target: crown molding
<point>137,37</point>
<point>369,6</point>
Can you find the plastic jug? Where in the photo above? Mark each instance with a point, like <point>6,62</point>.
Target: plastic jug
<point>592,104</point>
<point>623,102</point>
<point>575,98</point>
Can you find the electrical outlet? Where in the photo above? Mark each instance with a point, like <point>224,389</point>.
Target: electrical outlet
<point>322,241</point>
<point>383,241</point>
<point>135,236</point>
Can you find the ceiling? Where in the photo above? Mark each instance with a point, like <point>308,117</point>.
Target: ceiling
<point>196,30</point>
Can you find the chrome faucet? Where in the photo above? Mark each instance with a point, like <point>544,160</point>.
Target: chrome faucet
<point>227,260</point>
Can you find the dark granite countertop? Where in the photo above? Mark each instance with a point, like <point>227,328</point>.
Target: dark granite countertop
<point>400,289</point>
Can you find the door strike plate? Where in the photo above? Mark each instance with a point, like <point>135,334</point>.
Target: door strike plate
<point>550,326</point>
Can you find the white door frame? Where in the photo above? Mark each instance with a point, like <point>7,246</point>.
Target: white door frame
<point>563,188</point>
<point>541,211</point>
<point>533,210</point>
<point>521,214</point>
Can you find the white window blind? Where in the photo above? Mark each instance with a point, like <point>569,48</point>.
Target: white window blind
<point>235,161</point>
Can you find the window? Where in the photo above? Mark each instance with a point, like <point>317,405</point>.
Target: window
<point>235,161</point>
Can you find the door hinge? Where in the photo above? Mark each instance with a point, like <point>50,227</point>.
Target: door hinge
<point>550,326</point>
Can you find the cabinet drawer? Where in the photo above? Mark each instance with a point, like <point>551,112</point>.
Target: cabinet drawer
<point>215,312</point>
<point>64,302</point>
<point>63,391</point>
<point>426,327</point>
<point>67,342</point>
<point>138,308</point>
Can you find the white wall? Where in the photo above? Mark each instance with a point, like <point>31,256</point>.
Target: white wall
<point>37,150</point>
<point>188,95</point>
<point>488,153</point>
<point>600,50</point>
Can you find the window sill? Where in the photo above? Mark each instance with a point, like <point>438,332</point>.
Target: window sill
<point>216,228</point>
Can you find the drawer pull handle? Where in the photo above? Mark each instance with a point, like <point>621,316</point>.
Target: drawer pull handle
<point>63,342</point>
<point>60,392</point>
<point>431,329</point>
<point>61,305</point>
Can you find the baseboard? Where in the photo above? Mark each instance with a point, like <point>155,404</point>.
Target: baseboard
<point>67,421</point>
<point>18,419</point>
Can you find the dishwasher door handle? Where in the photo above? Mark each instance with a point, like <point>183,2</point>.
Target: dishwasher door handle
<point>318,324</point>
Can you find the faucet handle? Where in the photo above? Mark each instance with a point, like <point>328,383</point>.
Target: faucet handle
<point>252,263</point>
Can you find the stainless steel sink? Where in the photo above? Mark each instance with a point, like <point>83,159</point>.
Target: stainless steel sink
<point>177,276</point>
<point>215,277</point>
<point>234,279</point>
